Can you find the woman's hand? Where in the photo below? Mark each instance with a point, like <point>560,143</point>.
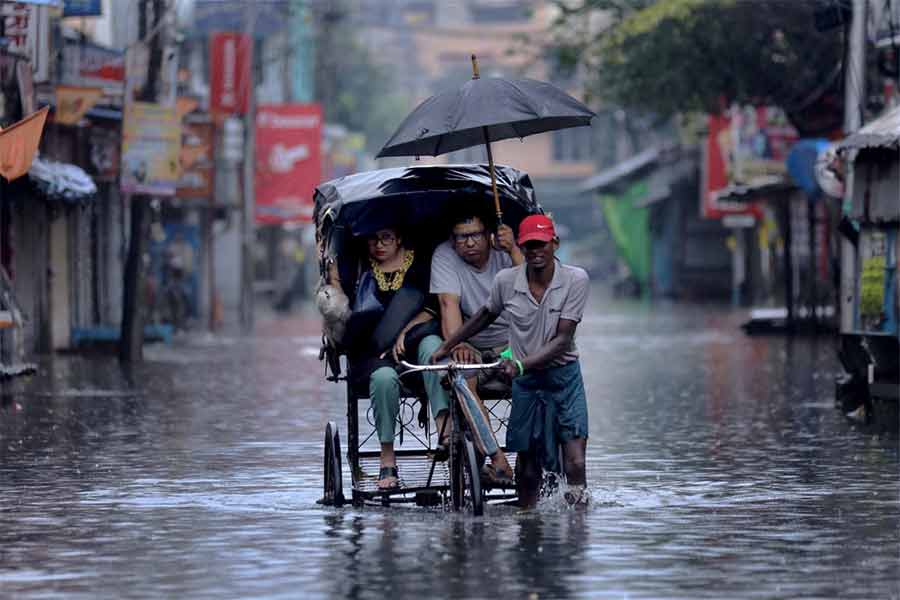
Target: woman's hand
<point>400,345</point>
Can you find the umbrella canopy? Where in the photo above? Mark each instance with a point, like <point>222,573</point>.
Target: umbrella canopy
<point>483,111</point>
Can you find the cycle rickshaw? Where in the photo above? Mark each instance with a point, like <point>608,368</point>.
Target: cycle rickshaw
<point>345,210</point>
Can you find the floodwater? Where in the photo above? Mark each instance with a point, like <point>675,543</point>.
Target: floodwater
<point>718,464</point>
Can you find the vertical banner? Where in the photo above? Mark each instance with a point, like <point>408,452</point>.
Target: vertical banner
<point>229,78</point>
<point>288,162</point>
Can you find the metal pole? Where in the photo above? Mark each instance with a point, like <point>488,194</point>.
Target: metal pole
<point>248,231</point>
<point>854,88</point>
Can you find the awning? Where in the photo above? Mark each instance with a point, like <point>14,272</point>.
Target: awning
<point>62,181</point>
<point>883,132</point>
<point>761,189</point>
<point>624,169</point>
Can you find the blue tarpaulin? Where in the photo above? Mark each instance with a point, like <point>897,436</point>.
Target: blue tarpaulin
<point>801,164</point>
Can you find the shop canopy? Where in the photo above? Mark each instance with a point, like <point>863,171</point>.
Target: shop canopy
<point>883,132</point>
<point>61,181</point>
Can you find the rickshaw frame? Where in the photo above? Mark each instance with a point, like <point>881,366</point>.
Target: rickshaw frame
<point>348,208</point>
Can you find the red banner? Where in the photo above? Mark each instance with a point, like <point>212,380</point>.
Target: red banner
<point>230,60</point>
<point>288,162</point>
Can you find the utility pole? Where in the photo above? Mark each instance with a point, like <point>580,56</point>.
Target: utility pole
<point>854,93</point>
<point>248,212</point>
<point>131,341</point>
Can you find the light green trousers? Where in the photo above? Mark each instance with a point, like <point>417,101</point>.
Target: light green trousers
<point>384,391</point>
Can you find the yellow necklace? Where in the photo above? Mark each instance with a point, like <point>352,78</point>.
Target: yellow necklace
<point>397,276</point>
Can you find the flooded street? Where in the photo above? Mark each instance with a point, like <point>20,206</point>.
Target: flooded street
<point>718,466</point>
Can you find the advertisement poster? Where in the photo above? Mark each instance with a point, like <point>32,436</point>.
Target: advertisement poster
<point>875,262</point>
<point>229,77</point>
<point>745,146</point>
<point>196,175</point>
<point>151,144</point>
<point>288,162</point>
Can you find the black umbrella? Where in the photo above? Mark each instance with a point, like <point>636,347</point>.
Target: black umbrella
<point>482,111</point>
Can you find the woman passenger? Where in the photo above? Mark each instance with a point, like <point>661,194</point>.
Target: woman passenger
<point>398,280</point>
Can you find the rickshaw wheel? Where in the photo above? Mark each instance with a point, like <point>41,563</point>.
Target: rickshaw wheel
<point>465,481</point>
<point>333,481</point>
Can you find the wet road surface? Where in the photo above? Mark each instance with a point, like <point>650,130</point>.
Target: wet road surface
<point>718,465</point>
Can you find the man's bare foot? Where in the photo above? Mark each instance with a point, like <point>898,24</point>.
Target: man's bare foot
<point>577,496</point>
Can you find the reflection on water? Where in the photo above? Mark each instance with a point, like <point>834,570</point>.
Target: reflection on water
<point>718,466</point>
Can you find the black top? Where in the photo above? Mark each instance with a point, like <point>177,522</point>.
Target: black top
<point>371,335</point>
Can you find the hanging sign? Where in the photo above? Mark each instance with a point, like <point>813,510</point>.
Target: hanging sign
<point>72,103</point>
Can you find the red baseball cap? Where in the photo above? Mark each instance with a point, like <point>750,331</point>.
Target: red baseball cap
<point>536,227</point>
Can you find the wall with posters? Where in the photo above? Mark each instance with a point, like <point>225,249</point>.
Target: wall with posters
<point>744,146</point>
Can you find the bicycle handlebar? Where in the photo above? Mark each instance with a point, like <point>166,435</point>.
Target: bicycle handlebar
<point>411,368</point>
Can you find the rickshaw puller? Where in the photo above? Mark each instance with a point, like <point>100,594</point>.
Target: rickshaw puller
<point>544,301</point>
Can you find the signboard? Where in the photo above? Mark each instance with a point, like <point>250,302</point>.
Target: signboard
<point>105,145</point>
<point>196,176</point>
<point>151,144</point>
<point>72,103</point>
<point>288,162</point>
<point>90,65</point>
<point>270,17</point>
<point>229,78</point>
<point>26,27</point>
<point>82,8</point>
<point>745,146</point>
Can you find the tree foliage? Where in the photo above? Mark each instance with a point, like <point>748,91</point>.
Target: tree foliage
<point>675,56</point>
<point>355,90</point>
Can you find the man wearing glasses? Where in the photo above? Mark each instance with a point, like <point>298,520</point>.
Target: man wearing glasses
<point>543,302</point>
<point>462,273</point>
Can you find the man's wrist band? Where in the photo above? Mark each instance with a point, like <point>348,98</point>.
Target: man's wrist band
<point>521,368</point>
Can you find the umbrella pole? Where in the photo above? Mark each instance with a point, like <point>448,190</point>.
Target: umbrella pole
<point>490,156</point>
<point>487,144</point>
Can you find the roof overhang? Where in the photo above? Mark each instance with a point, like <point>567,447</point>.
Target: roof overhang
<point>883,132</point>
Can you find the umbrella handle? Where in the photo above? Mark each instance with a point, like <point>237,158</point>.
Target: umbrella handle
<point>490,156</point>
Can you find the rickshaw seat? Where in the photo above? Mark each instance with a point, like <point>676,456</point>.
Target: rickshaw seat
<point>494,389</point>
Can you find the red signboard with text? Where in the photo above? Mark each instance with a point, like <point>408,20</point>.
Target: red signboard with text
<point>288,162</point>
<point>229,78</point>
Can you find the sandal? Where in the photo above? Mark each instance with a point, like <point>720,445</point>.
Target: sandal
<point>386,472</point>
<point>442,450</point>
<point>491,476</point>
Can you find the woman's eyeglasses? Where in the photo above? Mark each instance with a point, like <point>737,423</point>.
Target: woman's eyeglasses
<point>385,239</point>
<point>476,237</point>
